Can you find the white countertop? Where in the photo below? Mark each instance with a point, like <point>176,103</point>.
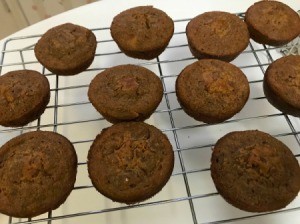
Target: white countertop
<point>191,140</point>
<point>101,13</point>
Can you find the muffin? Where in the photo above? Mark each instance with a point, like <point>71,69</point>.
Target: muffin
<point>142,32</point>
<point>38,172</point>
<point>125,93</point>
<point>282,84</point>
<point>24,95</point>
<point>66,49</point>
<point>217,35</point>
<point>272,23</point>
<point>130,162</point>
<point>211,90</point>
<point>254,171</point>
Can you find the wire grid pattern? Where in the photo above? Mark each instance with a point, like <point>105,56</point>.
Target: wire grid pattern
<point>197,201</point>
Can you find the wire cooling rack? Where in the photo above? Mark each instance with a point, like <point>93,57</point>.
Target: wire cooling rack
<point>189,196</point>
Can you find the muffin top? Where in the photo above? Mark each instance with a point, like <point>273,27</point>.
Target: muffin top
<point>66,49</point>
<point>217,34</point>
<point>130,162</point>
<point>126,92</point>
<point>254,171</point>
<point>275,21</point>
<point>212,90</point>
<point>24,94</point>
<point>142,28</point>
<point>38,171</point>
<point>283,78</point>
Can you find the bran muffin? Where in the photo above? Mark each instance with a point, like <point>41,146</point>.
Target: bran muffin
<point>254,171</point>
<point>66,49</point>
<point>211,90</point>
<point>272,23</point>
<point>217,35</point>
<point>38,172</point>
<point>282,84</point>
<point>24,95</point>
<point>126,93</point>
<point>142,32</point>
<point>130,162</point>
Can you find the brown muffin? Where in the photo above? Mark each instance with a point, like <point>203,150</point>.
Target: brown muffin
<point>66,49</point>
<point>130,162</point>
<point>272,23</point>
<point>24,95</point>
<point>38,172</point>
<point>142,32</point>
<point>254,171</point>
<point>125,93</point>
<point>217,35</point>
<point>282,84</point>
<point>212,91</point>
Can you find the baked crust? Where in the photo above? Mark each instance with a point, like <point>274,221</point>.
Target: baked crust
<point>66,49</point>
<point>24,95</point>
<point>142,32</point>
<point>254,171</point>
<point>272,22</point>
<point>38,171</point>
<point>130,162</point>
<point>217,35</point>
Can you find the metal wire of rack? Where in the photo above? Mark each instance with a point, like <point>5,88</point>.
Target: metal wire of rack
<point>190,196</point>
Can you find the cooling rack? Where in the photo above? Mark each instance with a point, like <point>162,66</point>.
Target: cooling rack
<point>189,196</point>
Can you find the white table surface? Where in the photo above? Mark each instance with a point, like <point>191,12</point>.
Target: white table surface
<point>101,13</point>
<point>207,209</point>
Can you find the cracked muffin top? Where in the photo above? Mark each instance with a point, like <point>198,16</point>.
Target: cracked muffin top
<point>125,93</point>
<point>38,172</point>
<point>130,162</point>
<point>66,49</point>
<point>254,171</point>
